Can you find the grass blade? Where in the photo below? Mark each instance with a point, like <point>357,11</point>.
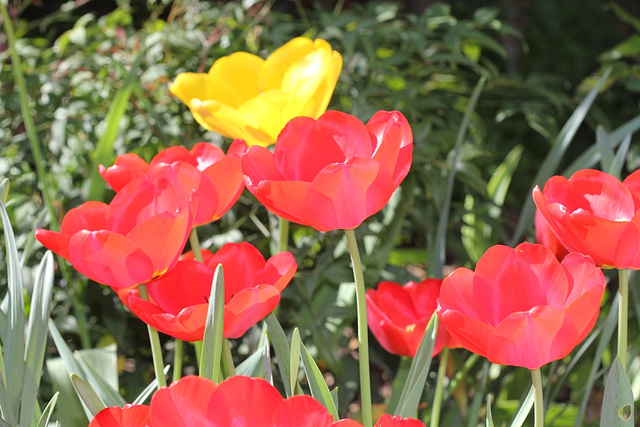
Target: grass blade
<point>524,410</point>
<point>281,346</point>
<point>48,410</point>
<point>37,331</point>
<point>412,391</point>
<point>103,153</point>
<point>88,395</point>
<point>437,248</point>
<point>214,330</point>
<point>14,346</point>
<point>294,361</point>
<point>319,389</point>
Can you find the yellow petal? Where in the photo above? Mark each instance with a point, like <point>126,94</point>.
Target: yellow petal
<point>233,79</point>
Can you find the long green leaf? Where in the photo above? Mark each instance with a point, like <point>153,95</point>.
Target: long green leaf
<point>524,410</point>
<point>591,156</point>
<point>438,246</point>
<point>214,330</point>
<point>410,397</point>
<point>87,394</point>
<point>550,164</point>
<point>14,347</point>
<point>617,402</point>
<point>48,410</point>
<point>281,346</point>
<point>319,389</point>
<point>489,420</point>
<point>294,361</point>
<point>618,161</point>
<point>37,331</point>
<point>103,153</point>
<point>609,326</point>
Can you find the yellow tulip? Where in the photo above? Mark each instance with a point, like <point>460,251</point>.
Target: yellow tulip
<point>245,96</point>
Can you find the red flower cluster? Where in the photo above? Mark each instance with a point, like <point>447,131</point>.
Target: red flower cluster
<point>196,401</point>
<point>252,290</point>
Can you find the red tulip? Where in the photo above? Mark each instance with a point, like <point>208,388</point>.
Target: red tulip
<point>136,237</point>
<point>215,178</point>
<point>179,299</point>
<point>196,401</point>
<point>384,421</point>
<point>595,214</point>
<point>521,306</point>
<point>129,416</point>
<point>398,316</point>
<point>331,173</point>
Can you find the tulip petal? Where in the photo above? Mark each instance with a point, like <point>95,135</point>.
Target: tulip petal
<point>129,416</point>
<point>56,242</point>
<point>170,293</point>
<point>471,333</point>
<point>301,411</point>
<point>238,67</point>
<point>396,421</point>
<point>248,307</point>
<point>109,258</point>
<point>229,406</point>
<point>394,143</point>
<point>183,403</point>
<point>342,196</point>
<point>279,270</point>
<point>126,168</point>
<point>187,325</point>
<point>532,339</point>
<point>173,154</point>
<point>88,216</point>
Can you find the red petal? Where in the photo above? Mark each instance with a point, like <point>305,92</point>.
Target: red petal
<point>306,146</point>
<point>226,176</point>
<point>258,165</point>
<point>127,168</point>
<point>188,325</point>
<point>397,421</point>
<point>229,402</point>
<point>248,307</point>
<point>394,143</point>
<point>56,242</point>
<point>183,403</point>
<point>532,339</point>
<point>129,416</point>
<point>241,262</point>
<point>174,154</point>
<point>110,258</point>
<point>88,216</point>
<point>278,271</point>
<point>301,411</point>
<point>187,284</point>
<point>342,196</point>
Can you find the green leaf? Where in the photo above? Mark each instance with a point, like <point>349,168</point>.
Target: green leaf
<point>280,345</point>
<point>524,410</point>
<point>37,331</point>
<point>13,371</point>
<point>605,148</point>
<point>4,190</point>
<point>489,420</point>
<point>437,248</point>
<point>319,389</point>
<point>48,410</point>
<point>618,161</point>
<point>103,153</point>
<point>214,330</point>
<point>551,162</point>
<point>617,402</point>
<point>412,391</point>
<point>267,373</point>
<point>87,394</point>
<point>294,361</point>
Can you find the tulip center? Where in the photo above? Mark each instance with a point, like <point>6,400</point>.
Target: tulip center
<point>410,328</point>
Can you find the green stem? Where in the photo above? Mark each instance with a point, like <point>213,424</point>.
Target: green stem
<point>283,237</point>
<point>227,359</point>
<point>197,345</point>
<point>30,128</point>
<point>437,398</point>
<point>623,313</point>
<point>177,359</point>
<point>538,406</point>
<point>195,245</point>
<point>363,350</point>
<point>156,349</point>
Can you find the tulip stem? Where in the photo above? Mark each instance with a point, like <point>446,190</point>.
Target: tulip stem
<point>156,349</point>
<point>363,350</point>
<point>437,397</point>
<point>623,313</point>
<point>283,238</point>
<point>195,245</point>
<point>538,407</point>
<point>227,359</point>
<point>177,359</point>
